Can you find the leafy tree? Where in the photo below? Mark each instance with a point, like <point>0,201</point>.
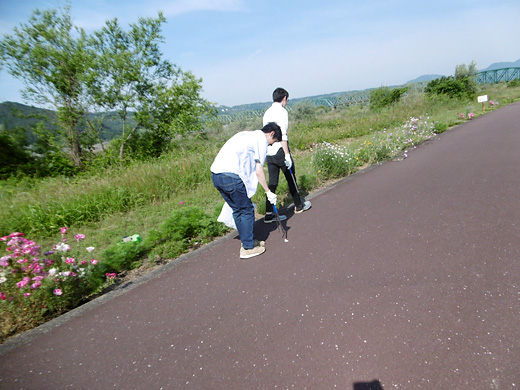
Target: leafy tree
<point>174,108</point>
<point>111,70</point>
<point>49,55</point>
<point>153,98</point>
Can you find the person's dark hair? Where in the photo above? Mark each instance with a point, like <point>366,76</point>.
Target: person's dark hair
<point>272,126</point>
<point>279,94</point>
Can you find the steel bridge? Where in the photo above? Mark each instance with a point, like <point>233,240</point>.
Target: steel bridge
<point>498,75</point>
<point>347,100</point>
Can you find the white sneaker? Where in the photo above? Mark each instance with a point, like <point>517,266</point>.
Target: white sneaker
<point>306,206</point>
<point>248,253</point>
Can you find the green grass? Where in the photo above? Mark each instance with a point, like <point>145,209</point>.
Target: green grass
<point>41,207</point>
<point>156,198</point>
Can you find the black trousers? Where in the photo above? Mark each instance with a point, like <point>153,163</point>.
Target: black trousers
<point>274,165</point>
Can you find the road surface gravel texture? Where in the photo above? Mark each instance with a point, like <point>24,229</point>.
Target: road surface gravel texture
<point>403,276</point>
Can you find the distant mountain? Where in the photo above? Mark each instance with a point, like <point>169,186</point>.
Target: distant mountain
<point>16,115</point>
<point>501,65</point>
<point>425,77</point>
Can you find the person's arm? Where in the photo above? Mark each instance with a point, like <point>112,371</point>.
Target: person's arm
<point>261,176</point>
<point>284,125</point>
<point>285,147</point>
<point>271,196</point>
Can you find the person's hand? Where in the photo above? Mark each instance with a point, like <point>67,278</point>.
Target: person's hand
<point>288,161</point>
<point>271,197</point>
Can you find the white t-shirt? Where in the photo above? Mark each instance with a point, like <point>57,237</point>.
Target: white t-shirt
<point>278,114</point>
<point>239,156</point>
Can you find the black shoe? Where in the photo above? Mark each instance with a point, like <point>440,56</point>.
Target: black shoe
<point>271,218</point>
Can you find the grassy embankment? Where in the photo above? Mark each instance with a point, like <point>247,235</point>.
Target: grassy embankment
<point>113,203</point>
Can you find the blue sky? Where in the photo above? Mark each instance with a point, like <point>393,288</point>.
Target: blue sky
<point>243,49</point>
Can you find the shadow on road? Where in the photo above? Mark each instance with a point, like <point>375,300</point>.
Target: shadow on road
<point>374,385</point>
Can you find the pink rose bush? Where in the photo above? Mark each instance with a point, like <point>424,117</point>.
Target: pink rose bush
<point>35,284</point>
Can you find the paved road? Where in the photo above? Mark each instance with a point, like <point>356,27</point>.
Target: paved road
<point>404,276</point>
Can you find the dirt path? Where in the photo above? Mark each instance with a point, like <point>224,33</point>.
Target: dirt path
<point>404,276</point>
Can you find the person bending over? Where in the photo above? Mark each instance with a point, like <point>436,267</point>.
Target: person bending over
<point>236,172</point>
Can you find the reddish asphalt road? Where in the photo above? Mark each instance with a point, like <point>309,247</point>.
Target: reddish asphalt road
<point>404,276</point>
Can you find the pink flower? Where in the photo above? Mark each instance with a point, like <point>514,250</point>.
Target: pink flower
<point>84,262</point>
<point>70,260</point>
<point>93,261</point>
<point>181,203</point>
<point>4,261</point>
<point>57,291</point>
<point>79,237</point>
<point>35,285</point>
<point>461,116</point>
<point>2,296</point>
<point>24,282</point>
<point>63,231</point>
<point>110,275</point>
<point>27,294</point>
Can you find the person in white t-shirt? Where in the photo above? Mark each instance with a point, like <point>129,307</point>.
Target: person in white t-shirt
<point>279,156</point>
<point>236,172</point>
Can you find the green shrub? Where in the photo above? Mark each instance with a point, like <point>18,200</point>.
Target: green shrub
<point>303,111</point>
<point>446,86</point>
<point>122,256</point>
<point>462,86</point>
<point>440,127</point>
<point>14,158</point>
<point>184,228</point>
<point>384,97</point>
<point>513,83</point>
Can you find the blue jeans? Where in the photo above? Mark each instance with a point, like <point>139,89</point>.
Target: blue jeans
<point>234,192</point>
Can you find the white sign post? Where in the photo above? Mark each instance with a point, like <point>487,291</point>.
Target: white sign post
<point>482,99</point>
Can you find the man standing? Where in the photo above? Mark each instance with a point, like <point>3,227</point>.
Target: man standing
<point>279,156</point>
<point>236,172</point>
